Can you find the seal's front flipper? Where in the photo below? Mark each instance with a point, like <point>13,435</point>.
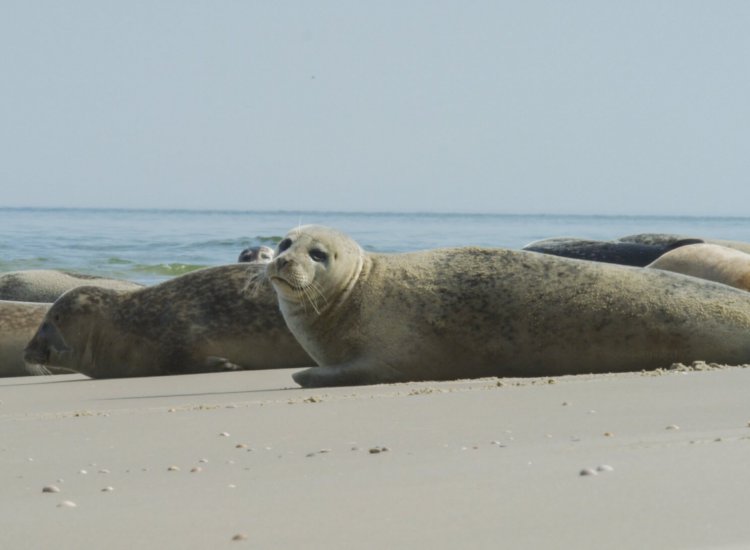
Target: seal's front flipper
<point>218,364</point>
<point>347,375</point>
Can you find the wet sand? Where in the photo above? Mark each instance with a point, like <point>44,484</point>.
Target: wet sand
<point>248,460</point>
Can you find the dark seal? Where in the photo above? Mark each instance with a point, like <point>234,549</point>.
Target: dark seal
<point>204,321</point>
<point>614,252</point>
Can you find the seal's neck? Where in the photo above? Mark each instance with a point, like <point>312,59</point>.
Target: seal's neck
<point>357,276</point>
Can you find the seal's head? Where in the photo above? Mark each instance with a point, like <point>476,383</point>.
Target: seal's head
<point>256,254</point>
<point>314,267</point>
<point>68,330</point>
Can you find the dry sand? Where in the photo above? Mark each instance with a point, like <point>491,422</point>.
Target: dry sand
<point>468,464</point>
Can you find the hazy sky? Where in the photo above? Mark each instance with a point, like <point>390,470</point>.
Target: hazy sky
<point>631,107</point>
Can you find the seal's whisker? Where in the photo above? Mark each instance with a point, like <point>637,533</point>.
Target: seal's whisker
<point>315,295</point>
<point>316,287</point>
<point>301,299</point>
<point>311,298</point>
<point>36,369</point>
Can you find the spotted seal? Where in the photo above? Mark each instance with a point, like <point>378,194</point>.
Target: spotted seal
<point>47,285</point>
<point>472,312</point>
<point>18,322</point>
<point>203,321</point>
<point>259,254</point>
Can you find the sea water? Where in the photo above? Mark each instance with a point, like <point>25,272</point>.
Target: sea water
<point>150,246</point>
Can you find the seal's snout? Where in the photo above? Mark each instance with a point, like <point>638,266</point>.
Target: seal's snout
<point>281,262</point>
<point>46,339</point>
<point>36,352</point>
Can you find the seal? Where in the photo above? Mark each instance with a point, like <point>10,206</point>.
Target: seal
<point>47,285</point>
<point>203,321</point>
<point>662,239</point>
<point>708,261</point>
<point>473,312</point>
<point>259,254</point>
<point>615,252</point>
<point>18,322</point>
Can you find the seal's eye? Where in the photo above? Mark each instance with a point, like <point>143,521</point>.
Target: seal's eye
<point>318,255</point>
<point>283,245</point>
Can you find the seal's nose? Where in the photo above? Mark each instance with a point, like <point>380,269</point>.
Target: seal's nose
<point>281,261</point>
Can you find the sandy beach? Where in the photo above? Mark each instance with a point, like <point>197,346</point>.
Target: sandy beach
<point>247,460</point>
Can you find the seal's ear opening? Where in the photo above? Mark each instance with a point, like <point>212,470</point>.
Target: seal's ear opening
<point>684,242</point>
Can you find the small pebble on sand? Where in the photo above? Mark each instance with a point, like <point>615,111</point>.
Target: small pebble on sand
<point>51,489</point>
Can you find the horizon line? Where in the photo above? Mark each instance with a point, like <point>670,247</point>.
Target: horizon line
<point>368,212</point>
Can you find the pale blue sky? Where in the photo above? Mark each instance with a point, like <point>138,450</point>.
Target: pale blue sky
<point>613,107</point>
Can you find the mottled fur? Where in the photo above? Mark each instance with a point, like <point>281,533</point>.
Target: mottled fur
<point>472,312</point>
<point>203,321</point>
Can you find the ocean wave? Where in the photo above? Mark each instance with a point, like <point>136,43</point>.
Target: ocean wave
<point>165,270</point>
<point>239,243</point>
